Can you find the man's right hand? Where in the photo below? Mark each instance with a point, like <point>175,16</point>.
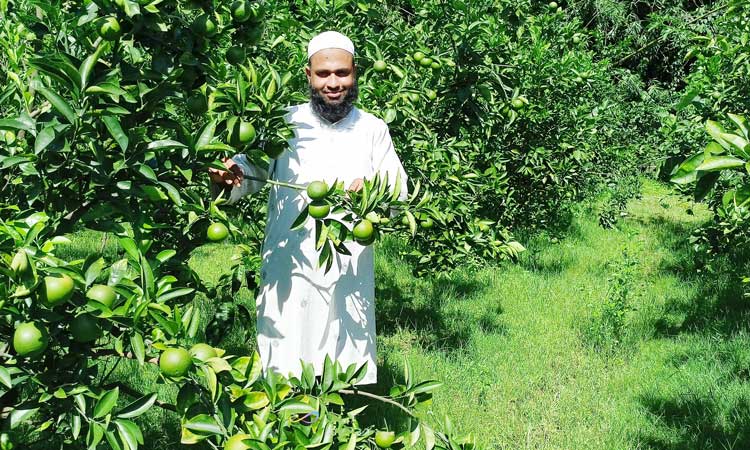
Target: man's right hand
<point>232,176</point>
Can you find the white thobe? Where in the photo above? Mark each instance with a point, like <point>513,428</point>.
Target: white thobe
<point>304,313</point>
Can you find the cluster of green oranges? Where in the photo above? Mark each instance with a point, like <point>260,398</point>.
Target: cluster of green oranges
<point>319,208</point>
<point>426,61</point>
<point>30,339</point>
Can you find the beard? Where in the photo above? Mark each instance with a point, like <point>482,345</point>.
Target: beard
<point>333,112</point>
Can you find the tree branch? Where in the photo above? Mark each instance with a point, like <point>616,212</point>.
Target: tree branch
<point>355,391</point>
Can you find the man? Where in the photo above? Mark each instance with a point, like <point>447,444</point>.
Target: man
<point>304,313</point>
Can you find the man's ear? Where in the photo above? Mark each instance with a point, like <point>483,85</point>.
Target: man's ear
<point>308,72</point>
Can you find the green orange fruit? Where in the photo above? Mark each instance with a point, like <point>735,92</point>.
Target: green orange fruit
<point>384,439</point>
<point>431,94</point>
<point>85,328</point>
<point>317,190</point>
<point>57,290</point>
<point>205,26</point>
<point>217,232</point>
<point>242,133</point>
<point>380,66</point>
<point>30,339</point>
<point>109,29</point>
<point>235,55</point>
<point>241,11</point>
<point>418,56</point>
<point>175,362</point>
<point>103,294</point>
<point>427,223</point>
<point>20,263</point>
<point>425,62</point>
<point>517,103</point>
<point>363,231</point>
<point>203,352</point>
<point>318,209</point>
<point>197,104</point>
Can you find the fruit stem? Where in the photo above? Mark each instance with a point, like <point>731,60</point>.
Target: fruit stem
<point>356,391</point>
<point>298,187</point>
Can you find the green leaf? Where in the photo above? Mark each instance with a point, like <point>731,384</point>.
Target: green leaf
<point>5,378</point>
<point>129,433</point>
<point>106,403</point>
<point>207,135</point>
<point>20,415</point>
<point>147,172</point>
<point>113,125</point>
<point>59,104</point>
<point>705,184</point>
<point>44,138</point>
<point>686,172</point>
<point>92,268</point>
<point>719,163</point>
<point>94,436</point>
<point>138,407</point>
<point>255,400</point>
<point>18,123</point>
<point>139,348</point>
<point>424,387</point>
<point>204,424</point>
<point>295,407</point>
<point>165,144</point>
<point>88,65</point>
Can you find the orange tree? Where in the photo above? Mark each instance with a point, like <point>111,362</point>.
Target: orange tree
<point>112,112</point>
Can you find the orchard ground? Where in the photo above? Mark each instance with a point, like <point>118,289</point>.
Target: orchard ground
<point>598,338</point>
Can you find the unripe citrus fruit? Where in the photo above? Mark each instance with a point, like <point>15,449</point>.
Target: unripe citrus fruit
<point>202,352</point>
<point>363,231</point>
<point>30,339</point>
<point>175,362</point>
<point>109,29</point>
<point>235,55</point>
<point>57,290</point>
<point>427,223</point>
<point>425,62</point>
<point>20,263</point>
<point>517,103</point>
<point>205,26</point>
<point>318,209</point>
<point>85,328</point>
<point>217,232</point>
<point>197,104</point>
<point>235,442</point>
<point>274,150</point>
<point>431,94</point>
<point>380,66</point>
<point>242,133</point>
<point>105,295</point>
<point>384,439</point>
<point>552,5</point>
<point>418,56</point>
<point>576,38</point>
<point>373,217</point>
<point>317,190</point>
<point>241,11</point>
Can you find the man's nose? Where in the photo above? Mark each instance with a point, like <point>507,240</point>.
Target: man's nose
<point>333,82</point>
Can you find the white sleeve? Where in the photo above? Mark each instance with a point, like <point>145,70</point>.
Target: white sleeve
<point>385,160</point>
<point>249,186</point>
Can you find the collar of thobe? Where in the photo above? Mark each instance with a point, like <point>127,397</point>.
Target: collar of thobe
<point>346,123</point>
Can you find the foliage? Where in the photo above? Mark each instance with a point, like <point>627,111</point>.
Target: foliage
<point>112,112</point>
<point>729,155</point>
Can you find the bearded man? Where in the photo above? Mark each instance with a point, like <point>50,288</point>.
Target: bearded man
<point>304,313</point>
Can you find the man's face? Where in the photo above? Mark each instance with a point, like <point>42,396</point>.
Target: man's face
<point>332,75</point>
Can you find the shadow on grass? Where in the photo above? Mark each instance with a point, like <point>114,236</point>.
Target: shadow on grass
<point>711,317</point>
<point>431,307</point>
<point>698,423</point>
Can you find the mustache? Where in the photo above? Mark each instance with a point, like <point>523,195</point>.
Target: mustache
<point>333,112</point>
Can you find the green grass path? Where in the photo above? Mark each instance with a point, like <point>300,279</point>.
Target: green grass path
<point>542,355</point>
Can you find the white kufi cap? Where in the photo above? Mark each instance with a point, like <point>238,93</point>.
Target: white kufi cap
<point>329,39</point>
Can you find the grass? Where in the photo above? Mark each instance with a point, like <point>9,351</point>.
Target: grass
<point>601,339</point>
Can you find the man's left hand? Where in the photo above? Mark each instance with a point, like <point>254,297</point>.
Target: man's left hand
<point>356,185</point>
